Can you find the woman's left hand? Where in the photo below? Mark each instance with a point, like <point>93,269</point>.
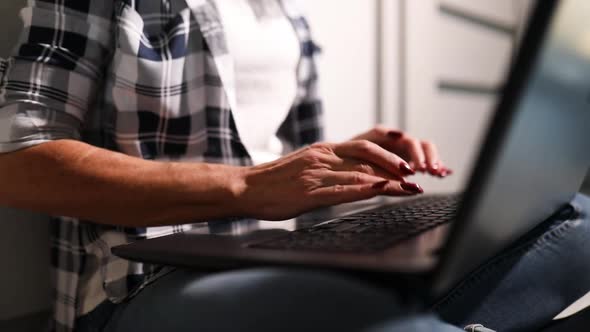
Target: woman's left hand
<point>421,155</point>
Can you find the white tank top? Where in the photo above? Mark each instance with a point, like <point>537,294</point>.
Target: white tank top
<point>265,52</point>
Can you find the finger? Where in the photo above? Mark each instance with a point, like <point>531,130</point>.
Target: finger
<point>340,194</point>
<point>394,135</point>
<point>378,134</point>
<point>417,159</point>
<point>366,151</point>
<point>432,159</point>
<point>330,178</point>
<point>355,165</point>
<point>444,172</point>
<point>383,136</point>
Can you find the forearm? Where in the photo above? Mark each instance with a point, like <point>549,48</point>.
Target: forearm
<point>78,180</point>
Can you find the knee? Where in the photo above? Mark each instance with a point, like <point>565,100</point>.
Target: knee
<point>276,287</point>
<point>287,300</point>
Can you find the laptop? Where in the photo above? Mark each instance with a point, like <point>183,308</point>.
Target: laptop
<point>533,161</point>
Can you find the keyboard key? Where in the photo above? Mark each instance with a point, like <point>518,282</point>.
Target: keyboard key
<point>371,231</point>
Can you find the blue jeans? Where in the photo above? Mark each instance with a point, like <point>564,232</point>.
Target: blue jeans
<point>521,289</point>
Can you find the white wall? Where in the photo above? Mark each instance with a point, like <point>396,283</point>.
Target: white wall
<point>398,51</point>
<point>24,245</point>
<point>346,31</point>
<point>449,48</point>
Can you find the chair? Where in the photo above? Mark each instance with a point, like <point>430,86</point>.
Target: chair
<point>24,281</point>
<point>24,240</point>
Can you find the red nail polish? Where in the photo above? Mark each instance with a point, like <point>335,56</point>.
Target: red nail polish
<point>445,172</point>
<point>412,187</point>
<point>380,185</point>
<point>395,134</point>
<point>434,169</point>
<point>406,169</point>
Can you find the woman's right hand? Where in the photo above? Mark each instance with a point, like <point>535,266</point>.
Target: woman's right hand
<point>323,174</point>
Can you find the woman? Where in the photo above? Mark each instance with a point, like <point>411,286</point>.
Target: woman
<point>135,118</point>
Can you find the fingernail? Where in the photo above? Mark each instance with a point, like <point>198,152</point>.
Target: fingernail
<point>380,185</point>
<point>395,134</point>
<point>445,172</point>
<point>420,167</point>
<point>412,187</point>
<point>434,169</point>
<point>406,169</point>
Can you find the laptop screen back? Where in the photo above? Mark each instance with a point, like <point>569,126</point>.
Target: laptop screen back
<point>537,151</point>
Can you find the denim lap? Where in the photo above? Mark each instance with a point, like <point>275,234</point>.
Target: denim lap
<point>522,289</point>
<point>525,287</point>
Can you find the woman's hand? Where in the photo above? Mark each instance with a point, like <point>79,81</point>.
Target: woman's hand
<point>422,156</point>
<point>320,175</point>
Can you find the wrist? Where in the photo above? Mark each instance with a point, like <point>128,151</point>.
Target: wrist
<point>205,191</point>
<point>240,187</point>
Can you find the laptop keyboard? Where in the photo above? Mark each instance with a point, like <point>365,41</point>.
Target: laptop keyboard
<point>370,231</point>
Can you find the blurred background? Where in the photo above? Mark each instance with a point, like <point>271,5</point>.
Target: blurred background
<point>431,67</point>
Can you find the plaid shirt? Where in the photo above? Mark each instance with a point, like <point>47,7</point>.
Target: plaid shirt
<point>152,79</point>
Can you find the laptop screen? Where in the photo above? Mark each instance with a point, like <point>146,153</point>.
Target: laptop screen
<point>537,151</point>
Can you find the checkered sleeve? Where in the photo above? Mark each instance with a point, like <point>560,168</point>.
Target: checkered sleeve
<point>54,74</point>
<point>304,123</point>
